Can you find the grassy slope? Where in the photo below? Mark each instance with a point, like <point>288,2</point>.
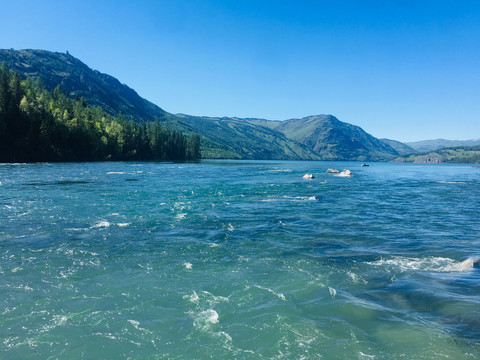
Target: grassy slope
<point>335,140</point>
<point>248,141</point>
<point>461,155</point>
<point>400,148</point>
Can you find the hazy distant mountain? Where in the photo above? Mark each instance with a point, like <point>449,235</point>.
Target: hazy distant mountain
<point>401,148</point>
<point>432,145</point>
<point>313,137</point>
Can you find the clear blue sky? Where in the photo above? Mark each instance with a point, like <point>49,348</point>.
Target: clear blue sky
<point>405,70</point>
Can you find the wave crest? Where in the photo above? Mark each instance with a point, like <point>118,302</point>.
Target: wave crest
<point>432,264</point>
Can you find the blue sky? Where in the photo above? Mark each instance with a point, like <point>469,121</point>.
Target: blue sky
<point>401,69</point>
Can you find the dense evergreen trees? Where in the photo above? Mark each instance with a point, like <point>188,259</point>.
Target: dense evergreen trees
<point>36,125</point>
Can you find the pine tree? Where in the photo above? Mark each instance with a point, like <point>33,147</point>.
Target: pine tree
<point>5,96</point>
<point>37,125</point>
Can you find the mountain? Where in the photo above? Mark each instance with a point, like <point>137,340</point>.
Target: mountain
<point>221,138</point>
<point>243,140</point>
<point>432,145</point>
<point>458,155</point>
<point>331,138</point>
<point>77,79</point>
<point>400,148</point>
<point>311,138</point>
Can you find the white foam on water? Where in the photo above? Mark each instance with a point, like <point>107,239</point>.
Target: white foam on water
<point>192,298</point>
<point>230,227</point>
<point>277,294</point>
<point>451,182</point>
<point>280,170</point>
<point>77,229</point>
<point>59,320</point>
<point>115,172</point>
<point>213,299</point>
<point>146,267</point>
<point>332,292</point>
<point>205,319</point>
<point>24,287</point>
<point>290,198</point>
<point>355,278</point>
<point>101,224</point>
<point>361,355</point>
<point>226,335</point>
<point>136,325</point>
<point>187,265</point>
<point>180,216</point>
<point>432,264</point>
<point>123,224</point>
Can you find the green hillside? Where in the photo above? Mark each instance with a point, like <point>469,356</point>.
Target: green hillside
<point>458,155</point>
<point>244,140</point>
<point>38,125</point>
<point>78,80</point>
<point>400,148</point>
<point>333,139</point>
<point>311,138</point>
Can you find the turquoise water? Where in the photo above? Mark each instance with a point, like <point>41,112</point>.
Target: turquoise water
<point>239,260</point>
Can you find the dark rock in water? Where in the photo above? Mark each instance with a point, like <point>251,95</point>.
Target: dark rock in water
<point>71,182</point>
<point>471,263</point>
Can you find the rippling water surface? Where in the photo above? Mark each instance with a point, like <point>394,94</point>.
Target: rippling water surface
<point>243,260</point>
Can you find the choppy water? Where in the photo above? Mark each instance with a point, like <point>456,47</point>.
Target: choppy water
<point>238,260</point>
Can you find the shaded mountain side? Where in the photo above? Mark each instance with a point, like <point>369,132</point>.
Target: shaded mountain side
<point>221,138</point>
<point>77,79</point>
<point>333,139</point>
<point>401,148</point>
<point>311,138</point>
<point>432,145</point>
<point>245,140</point>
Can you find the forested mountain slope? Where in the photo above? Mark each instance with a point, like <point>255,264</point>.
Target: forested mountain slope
<point>310,138</point>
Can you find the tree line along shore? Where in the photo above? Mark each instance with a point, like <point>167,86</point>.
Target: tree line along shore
<point>41,126</point>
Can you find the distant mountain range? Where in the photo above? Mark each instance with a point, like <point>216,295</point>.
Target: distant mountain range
<point>432,145</point>
<point>318,137</point>
<point>459,154</point>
